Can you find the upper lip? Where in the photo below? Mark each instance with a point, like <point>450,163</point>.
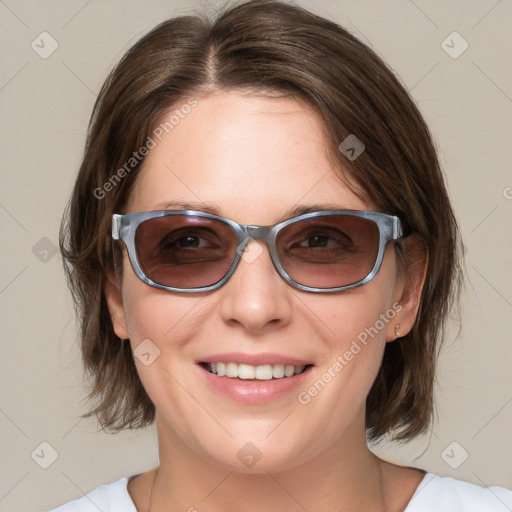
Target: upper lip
<point>254,359</point>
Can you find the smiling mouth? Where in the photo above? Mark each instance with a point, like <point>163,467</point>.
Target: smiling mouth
<point>250,372</point>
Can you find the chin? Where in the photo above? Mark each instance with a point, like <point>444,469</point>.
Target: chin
<point>257,455</point>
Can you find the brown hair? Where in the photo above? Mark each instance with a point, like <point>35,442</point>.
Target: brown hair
<point>269,46</point>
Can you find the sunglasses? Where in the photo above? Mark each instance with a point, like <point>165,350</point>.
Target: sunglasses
<point>191,251</point>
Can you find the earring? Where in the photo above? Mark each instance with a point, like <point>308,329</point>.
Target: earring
<point>397,330</point>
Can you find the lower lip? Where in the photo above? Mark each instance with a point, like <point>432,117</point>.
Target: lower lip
<point>254,391</point>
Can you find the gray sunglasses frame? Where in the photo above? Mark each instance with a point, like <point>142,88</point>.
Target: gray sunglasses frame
<point>124,228</point>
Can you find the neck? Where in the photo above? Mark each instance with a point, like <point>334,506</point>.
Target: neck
<point>348,477</point>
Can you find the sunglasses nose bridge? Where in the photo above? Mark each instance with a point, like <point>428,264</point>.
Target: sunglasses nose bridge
<point>257,232</point>
<point>263,233</point>
<point>251,232</point>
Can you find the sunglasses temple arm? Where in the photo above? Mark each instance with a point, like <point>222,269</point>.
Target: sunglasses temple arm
<point>397,228</point>
<point>116,226</point>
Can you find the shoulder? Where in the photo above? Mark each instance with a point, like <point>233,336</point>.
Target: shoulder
<point>112,497</point>
<point>451,495</point>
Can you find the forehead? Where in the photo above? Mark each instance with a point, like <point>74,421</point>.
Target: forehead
<point>250,156</point>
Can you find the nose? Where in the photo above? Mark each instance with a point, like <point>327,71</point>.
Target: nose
<point>256,297</point>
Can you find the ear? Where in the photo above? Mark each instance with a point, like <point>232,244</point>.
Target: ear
<point>412,261</point>
<point>114,298</point>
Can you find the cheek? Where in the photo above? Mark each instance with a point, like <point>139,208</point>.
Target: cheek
<point>154,314</point>
<point>353,327</point>
<point>355,337</point>
<point>358,316</point>
<point>160,326</point>
<point>335,396</point>
<point>160,316</point>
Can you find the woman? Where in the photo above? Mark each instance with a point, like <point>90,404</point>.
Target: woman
<point>263,254</point>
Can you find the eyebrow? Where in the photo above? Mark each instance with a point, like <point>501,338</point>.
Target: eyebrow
<point>214,210</point>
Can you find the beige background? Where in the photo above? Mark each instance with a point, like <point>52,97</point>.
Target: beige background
<point>45,104</point>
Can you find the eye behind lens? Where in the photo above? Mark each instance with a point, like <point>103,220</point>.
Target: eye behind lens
<point>183,251</point>
<point>329,251</point>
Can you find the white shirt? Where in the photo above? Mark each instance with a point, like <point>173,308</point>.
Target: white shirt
<point>434,494</point>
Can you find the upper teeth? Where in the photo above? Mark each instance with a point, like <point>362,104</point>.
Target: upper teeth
<point>247,371</point>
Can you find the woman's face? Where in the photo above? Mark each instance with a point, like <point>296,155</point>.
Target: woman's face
<point>253,159</point>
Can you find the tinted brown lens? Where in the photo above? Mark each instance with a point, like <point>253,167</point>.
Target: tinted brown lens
<point>330,251</point>
<point>185,251</point>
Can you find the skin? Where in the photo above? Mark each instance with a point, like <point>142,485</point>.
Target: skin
<point>254,157</point>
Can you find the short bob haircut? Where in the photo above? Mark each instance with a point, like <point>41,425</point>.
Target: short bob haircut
<point>265,47</point>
